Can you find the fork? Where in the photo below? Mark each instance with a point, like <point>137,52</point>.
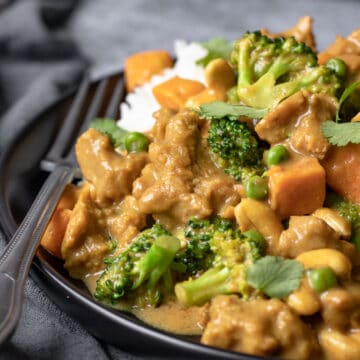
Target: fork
<point>60,161</point>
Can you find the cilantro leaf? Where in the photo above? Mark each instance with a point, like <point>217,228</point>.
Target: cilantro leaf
<point>275,276</point>
<point>341,134</point>
<point>346,93</point>
<point>217,48</point>
<point>220,109</point>
<point>109,128</point>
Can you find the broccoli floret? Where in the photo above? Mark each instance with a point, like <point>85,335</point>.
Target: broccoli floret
<point>350,211</point>
<point>269,70</point>
<point>141,273</point>
<point>235,148</point>
<point>233,252</point>
<point>196,255</point>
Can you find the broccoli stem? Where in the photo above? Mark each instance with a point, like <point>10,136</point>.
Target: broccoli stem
<point>291,87</point>
<point>157,260</point>
<point>245,75</point>
<point>199,291</point>
<point>278,69</point>
<point>168,282</point>
<point>355,237</point>
<point>311,78</point>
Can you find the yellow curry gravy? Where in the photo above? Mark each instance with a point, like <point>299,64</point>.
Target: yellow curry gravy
<point>170,316</point>
<point>177,179</point>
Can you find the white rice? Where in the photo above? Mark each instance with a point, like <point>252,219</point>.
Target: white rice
<point>137,110</point>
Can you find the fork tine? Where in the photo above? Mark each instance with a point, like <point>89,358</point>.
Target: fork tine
<point>95,106</point>
<point>116,97</point>
<point>112,108</point>
<point>91,114</point>
<point>66,132</point>
<point>63,149</point>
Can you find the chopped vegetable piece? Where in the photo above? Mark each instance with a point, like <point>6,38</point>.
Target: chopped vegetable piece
<point>256,188</point>
<point>322,279</point>
<point>109,128</point>
<point>233,253</point>
<point>220,109</point>
<point>121,138</point>
<point>297,188</point>
<point>140,67</point>
<point>197,256</point>
<point>270,70</point>
<point>276,155</point>
<point>217,48</point>
<point>341,134</point>
<point>173,93</point>
<point>348,210</point>
<point>342,167</point>
<point>275,276</point>
<point>344,96</point>
<point>235,148</point>
<point>338,66</point>
<point>141,270</point>
<point>136,142</point>
<point>55,230</point>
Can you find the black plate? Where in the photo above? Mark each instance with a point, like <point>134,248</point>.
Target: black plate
<point>20,180</point>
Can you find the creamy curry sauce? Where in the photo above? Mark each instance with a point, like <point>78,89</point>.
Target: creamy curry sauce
<point>177,179</point>
<point>171,316</point>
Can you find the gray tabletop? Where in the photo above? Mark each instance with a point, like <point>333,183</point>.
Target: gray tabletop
<point>105,32</point>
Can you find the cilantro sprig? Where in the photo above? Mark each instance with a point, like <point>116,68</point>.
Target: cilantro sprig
<point>275,276</point>
<point>108,127</point>
<point>220,109</point>
<point>341,134</point>
<point>346,93</point>
<point>217,48</point>
<point>119,137</point>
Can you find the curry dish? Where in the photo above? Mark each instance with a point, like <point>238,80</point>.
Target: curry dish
<point>236,217</point>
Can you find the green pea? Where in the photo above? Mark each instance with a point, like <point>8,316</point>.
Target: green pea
<point>322,279</point>
<point>355,238</point>
<point>338,66</point>
<point>276,155</point>
<point>136,142</point>
<point>256,188</point>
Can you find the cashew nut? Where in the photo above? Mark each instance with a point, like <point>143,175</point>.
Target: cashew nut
<point>219,74</point>
<point>334,220</point>
<point>304,300</point>
<point>219,78</point>
<point>356,118</point>
<point>350,251</point>
<point>253,214</point>
<point>332,258</point>
<point>339,346</point>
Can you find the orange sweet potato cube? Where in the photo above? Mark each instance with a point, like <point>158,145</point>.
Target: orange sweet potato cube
<point>297,188</point>
<point>342,167</point>
<point>55,230</point>
<point>140,67</point>
<point>174,92</point>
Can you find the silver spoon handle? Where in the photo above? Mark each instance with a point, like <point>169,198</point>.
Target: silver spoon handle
<point>17,257</point>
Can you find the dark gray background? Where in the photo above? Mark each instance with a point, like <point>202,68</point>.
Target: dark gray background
<point>105,32</point>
